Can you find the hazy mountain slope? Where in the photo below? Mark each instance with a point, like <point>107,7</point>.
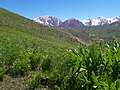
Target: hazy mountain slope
<point>24,46</point>
<point>105,32</point>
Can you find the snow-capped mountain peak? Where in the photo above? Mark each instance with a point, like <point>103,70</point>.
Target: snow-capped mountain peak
<point>48,20</point>
<point>96,21</point>
<point>72,23</point>
<point>100,21</point>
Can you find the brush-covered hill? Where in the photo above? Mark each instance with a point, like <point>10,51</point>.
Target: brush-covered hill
<point>27,47</point>
<point>17,28</point>
<point>104,32</point>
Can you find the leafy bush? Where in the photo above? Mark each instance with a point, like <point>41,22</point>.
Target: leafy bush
<point>9,52</point>
<point>35,60</point>
<point>20,67</point>
<point>36,81</point>
<point>2,72</point>
<point>95,68</point>
<point>46,64</point>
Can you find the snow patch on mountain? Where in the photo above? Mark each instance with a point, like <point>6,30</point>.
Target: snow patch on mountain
<point>100,21</point>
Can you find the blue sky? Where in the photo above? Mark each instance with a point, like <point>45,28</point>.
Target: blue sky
<point>63,9</point>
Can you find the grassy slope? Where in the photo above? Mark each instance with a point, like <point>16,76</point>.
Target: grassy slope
<point>18,27</point>
<point>24,27</point>
<point>106,32</point>
<point>19,31</point>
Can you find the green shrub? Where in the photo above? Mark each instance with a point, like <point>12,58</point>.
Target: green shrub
<point>2,72</point>
<point>20,67</point>
<point>36,81</point>
<point>9,52</point>
<point>94,68</point>
<point>46,64</point>
<point>35,60</point>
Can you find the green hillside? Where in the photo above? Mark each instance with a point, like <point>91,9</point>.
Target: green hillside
<point>23,39</point>
<point>18,27</point>
<point>105,32</point>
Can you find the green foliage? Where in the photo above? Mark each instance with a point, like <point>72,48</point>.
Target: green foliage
<point>20,67</point>
<point>95,67</point>
<point>46,64</point>
<point>34,60</point>
<point>2,72</point>
<point>9,52</point>
<point>36,81</point>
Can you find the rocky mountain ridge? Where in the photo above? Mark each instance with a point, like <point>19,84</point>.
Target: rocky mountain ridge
<point>72,22</point>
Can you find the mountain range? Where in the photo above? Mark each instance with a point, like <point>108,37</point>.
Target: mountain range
<point>72,22</point>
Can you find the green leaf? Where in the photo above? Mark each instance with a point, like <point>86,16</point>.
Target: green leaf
<point>113,86</point>
<point>105,85</point>
<point>95,79</point>
<point>118,84</point>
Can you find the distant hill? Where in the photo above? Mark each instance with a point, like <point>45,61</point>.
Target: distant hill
<point>104,32</point>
